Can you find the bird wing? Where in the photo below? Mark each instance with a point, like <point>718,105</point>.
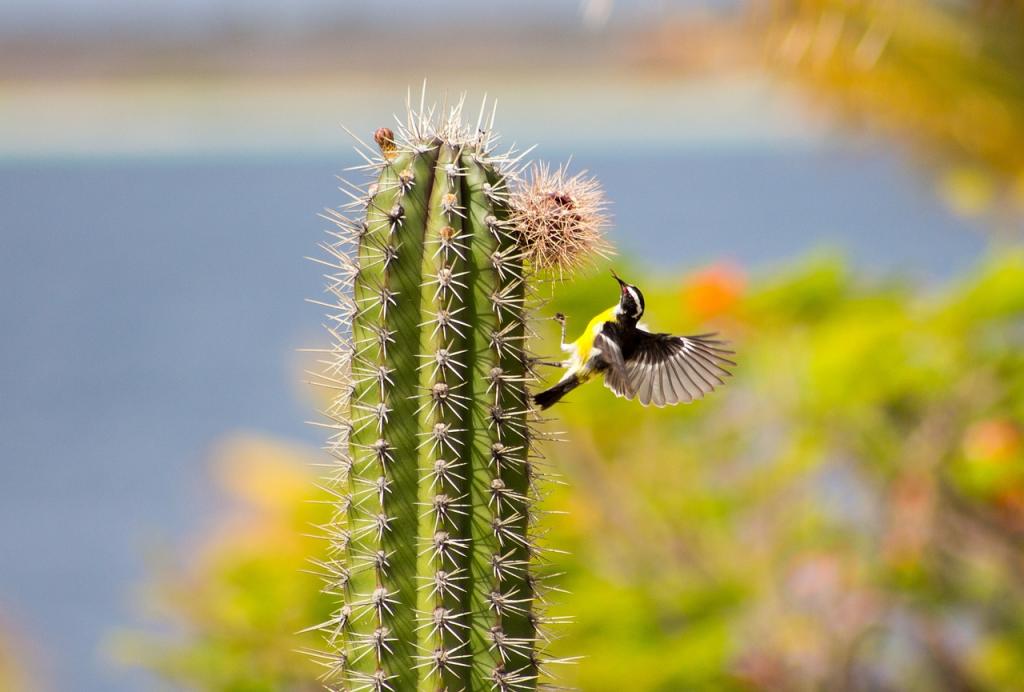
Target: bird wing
<point>664,369</point>
<point>615,376</point>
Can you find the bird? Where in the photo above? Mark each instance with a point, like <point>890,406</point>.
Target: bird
<point>654,368</point>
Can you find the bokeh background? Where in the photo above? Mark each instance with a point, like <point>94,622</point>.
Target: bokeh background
<point>835,185</point>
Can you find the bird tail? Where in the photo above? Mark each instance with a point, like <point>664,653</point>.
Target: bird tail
<point>552,395</point>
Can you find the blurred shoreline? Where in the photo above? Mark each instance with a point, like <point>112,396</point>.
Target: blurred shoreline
<point>692,84</point>
<point>687,44</point>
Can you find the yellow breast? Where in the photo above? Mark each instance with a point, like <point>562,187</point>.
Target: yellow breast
<point>585,343</point>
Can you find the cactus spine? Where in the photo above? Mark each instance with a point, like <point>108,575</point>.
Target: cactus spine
<point>430,546</point>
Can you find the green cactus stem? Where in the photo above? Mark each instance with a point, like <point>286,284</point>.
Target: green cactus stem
<point>431,548</point>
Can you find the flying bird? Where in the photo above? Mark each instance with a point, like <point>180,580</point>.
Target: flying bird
<point>659,369</point>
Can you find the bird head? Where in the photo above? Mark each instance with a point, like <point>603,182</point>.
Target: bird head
<point>631,300</point>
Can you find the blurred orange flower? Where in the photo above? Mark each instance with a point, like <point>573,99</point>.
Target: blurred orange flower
<point>714,291</point>
<point>997,440</point>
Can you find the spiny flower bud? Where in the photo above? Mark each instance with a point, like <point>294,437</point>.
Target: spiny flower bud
<point>560,220</point>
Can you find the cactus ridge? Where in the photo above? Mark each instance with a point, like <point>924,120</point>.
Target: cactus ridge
<point>432,542</point>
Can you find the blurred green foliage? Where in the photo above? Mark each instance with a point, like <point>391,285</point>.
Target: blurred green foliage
<point>944,76</point>
<point>848,513</point>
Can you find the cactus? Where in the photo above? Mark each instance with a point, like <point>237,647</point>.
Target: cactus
<point>431,548</point>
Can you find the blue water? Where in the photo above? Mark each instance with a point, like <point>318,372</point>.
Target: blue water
<point>149,307</point>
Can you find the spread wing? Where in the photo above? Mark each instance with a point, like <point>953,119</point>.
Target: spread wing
<point>664,369</point>
<point>616,377</point>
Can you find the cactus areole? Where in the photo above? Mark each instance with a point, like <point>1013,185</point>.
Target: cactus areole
<point>432,544</point>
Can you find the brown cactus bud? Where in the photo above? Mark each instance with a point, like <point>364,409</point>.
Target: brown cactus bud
<point>385,139</point>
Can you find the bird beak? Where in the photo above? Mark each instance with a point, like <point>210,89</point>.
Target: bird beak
<point>622,284</point>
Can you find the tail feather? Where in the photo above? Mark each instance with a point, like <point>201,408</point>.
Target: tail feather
<point>553,395</point>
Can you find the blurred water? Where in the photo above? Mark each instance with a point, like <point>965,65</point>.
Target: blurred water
<point>148,307</point>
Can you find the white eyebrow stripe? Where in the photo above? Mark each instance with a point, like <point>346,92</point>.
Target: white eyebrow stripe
<point>636,299</point>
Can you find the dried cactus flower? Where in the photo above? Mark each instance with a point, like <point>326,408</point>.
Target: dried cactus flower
<point>561,220</point>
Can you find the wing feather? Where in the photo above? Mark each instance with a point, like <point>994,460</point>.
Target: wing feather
<point>663,391</point>
<point>699,381</point>
<point>704,380</point>
<point>679,391</point>
<point>693,391</point>
<point>666,369</point>
<point>616,377</point>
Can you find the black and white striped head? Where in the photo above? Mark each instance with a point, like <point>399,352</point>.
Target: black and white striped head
<point>631,301</point>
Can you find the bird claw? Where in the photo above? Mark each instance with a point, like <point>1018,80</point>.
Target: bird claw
<point>559,317</point>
